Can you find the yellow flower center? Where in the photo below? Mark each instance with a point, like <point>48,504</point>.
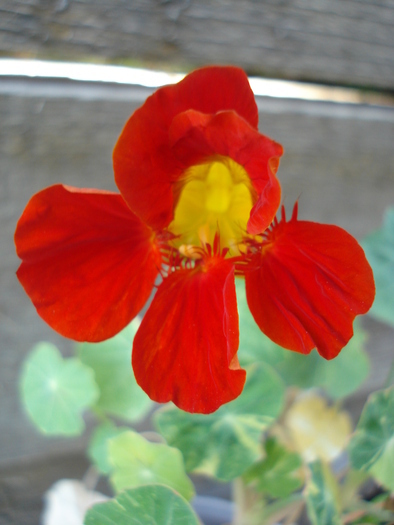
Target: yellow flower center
<point>214,197</point>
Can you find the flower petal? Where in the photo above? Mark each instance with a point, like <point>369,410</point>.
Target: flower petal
<point>196,136</point>
<point>185,349</point>
<point>143,161</point>
<point>88,263</point>
<point>313,279</point>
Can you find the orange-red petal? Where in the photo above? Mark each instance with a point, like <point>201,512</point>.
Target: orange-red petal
<point>185,349</point>
<point>196,136</point>
<point>88,263</point>
<point>312,280</point>
<point>144,164</point>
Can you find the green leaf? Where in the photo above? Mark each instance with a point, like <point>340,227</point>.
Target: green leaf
<point>274,512</point>
<point>373,511</point>
<point>390,376</point>
<point>278,474</point>
<point>224,444</point>
<point>372,446</point>
<point>111,361</point>
<point>55,391</point>
<point>350,487</point>
<point>136,461</point>
<point>98,451</point>
<point>339,377</point>
<point>253,344</point>
<point>322,497</point>
<point>379,249</point>
<point>382,470</point>
<point>146,505</point>
<point>343,375</point>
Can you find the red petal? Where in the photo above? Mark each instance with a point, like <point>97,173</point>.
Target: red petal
<point>196,136</point>
<point>143,161</point>
<point>88,263</point>
<point>312,282</point>
<point>185,349</point>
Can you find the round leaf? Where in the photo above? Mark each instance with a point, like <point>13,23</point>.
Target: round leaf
<point>136,461</point>
<point>322,497</point>
<point>372,446</point>
<point>111,361</point>
<point>98,447</point>
<point>379,249</point>
<point>224,444</point>
<point>343,375</point>
<point>278,474</point>
<point>148,505</point>
<point>253,344</point>
<point>55,391</point>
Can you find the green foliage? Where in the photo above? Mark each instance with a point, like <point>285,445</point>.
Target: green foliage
<point>55,391</point>
<point>278,474</point>
<point>98,446</point>
<point>147,505</point>
<point>372,446</point>
<point>111,361</point>
<point>322,496</point>
<point>339,377</point>
<point>362,511</point>
<point>135,461</point>
<point>379,249</point>
<point>224,444</point>
<point>390,377</point>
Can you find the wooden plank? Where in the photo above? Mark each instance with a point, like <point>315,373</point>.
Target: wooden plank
<point>23,485</point>
<point>334,41</point>
<point>339,161</point>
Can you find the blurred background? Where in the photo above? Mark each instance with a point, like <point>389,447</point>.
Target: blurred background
<point>331,106</point>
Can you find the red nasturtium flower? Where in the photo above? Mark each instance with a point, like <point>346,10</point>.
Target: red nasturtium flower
<point>197,205</point>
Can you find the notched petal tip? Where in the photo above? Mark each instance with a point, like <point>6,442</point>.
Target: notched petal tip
<point>185,349</point>
<point>312,281</point>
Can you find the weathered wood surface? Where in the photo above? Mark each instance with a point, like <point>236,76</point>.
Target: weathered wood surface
<point>339,160</point>
<point>335,41</point>
<point>22,486</point>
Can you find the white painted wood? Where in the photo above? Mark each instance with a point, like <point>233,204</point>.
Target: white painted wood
<point>348,42</point>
